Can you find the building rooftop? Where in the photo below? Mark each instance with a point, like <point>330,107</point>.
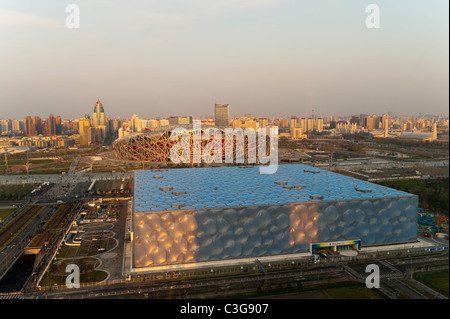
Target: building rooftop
<point>415,135</point>
<point>217,187</point>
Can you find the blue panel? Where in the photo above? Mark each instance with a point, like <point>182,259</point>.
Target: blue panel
<point>235,186</point>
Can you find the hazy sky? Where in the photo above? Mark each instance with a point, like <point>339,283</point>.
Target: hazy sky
<point>264,57</point>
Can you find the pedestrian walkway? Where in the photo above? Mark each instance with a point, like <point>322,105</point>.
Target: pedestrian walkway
<point>11,296</point>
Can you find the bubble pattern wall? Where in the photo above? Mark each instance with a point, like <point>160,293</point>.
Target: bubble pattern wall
<point>186,236</point>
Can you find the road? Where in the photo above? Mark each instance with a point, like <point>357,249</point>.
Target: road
<point>395,283</point>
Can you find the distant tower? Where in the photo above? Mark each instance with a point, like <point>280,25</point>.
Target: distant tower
<point>98,118</point>
<point>434,131</point>
<point>84,129</point>
<point>222,114</point>
<point>51,125</point>
<point>385,124</point>
<point>319,124</point>
<point>99,123</point>
<point>30,128</point>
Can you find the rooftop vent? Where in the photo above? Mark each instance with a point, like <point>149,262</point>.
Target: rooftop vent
<point>363,190</point>
<point>164,189</point>
<point>291,187</point>
<point>312,172</point>
<point>315,197</point>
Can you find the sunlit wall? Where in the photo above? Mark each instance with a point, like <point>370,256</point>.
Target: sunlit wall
<point>186,236</point>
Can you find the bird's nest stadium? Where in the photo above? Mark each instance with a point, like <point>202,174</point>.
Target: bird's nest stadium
<point>155,145</point>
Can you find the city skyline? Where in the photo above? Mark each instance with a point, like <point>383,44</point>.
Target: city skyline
<point>270,58</point>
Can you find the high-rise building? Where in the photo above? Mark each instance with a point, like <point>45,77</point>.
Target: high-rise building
<point>58,125</point>
<point>180,120</point>
<point>384,121</point>
<point>114,125</point>
<point>222,114</point>
<point>134,123</point>
<point>16,126</point>
<point>355,119</point>
<point>303,123</point>
<point>98,118</point>
<point>434,131</point>
<point>293,123</point>
<point>263,122</point>
<point>51,125</point>
<point>30,129</point>
<point>5,126</point>
<point>319,124</point>
<point>84,129</point>
<point>99,122</point>
<point>370,122</point>
<point>37,123</point>
<point>310,124</point>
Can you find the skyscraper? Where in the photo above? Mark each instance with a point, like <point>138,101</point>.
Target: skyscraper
<point>319,124</point>
<point>222,114</point>
<point>30,128</point>
<point>58,125</point>
<point>310,124</point>
<point>99,123</point>
<point>370,122</point>
<point>434,131</point>
<point>51,125</point>
<point>37,123</point>
<point>98,118</point>
<point>84,129</point>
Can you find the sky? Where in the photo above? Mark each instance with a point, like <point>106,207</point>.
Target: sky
<point>268,58</point>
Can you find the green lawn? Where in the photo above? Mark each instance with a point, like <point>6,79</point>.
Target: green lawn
<point>67,251</point>
<point>433,193</point>
<point>4,213</point>
<point>23,162</point>
<point>437,280</point>
<point>78,255</point>
<point>57,275</point>
<point>353,292</point>
<point>15,191</point>
<point>337,290</point>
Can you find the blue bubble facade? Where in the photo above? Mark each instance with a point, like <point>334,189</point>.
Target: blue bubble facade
<point>207,214</point>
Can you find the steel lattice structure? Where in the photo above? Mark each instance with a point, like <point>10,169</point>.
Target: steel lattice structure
<point>155,146</point>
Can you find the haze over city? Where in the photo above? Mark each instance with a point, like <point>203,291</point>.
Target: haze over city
<point>233,152</point>
<point>268,57</point>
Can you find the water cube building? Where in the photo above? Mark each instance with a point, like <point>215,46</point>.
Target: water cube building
<point>195,215</point>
